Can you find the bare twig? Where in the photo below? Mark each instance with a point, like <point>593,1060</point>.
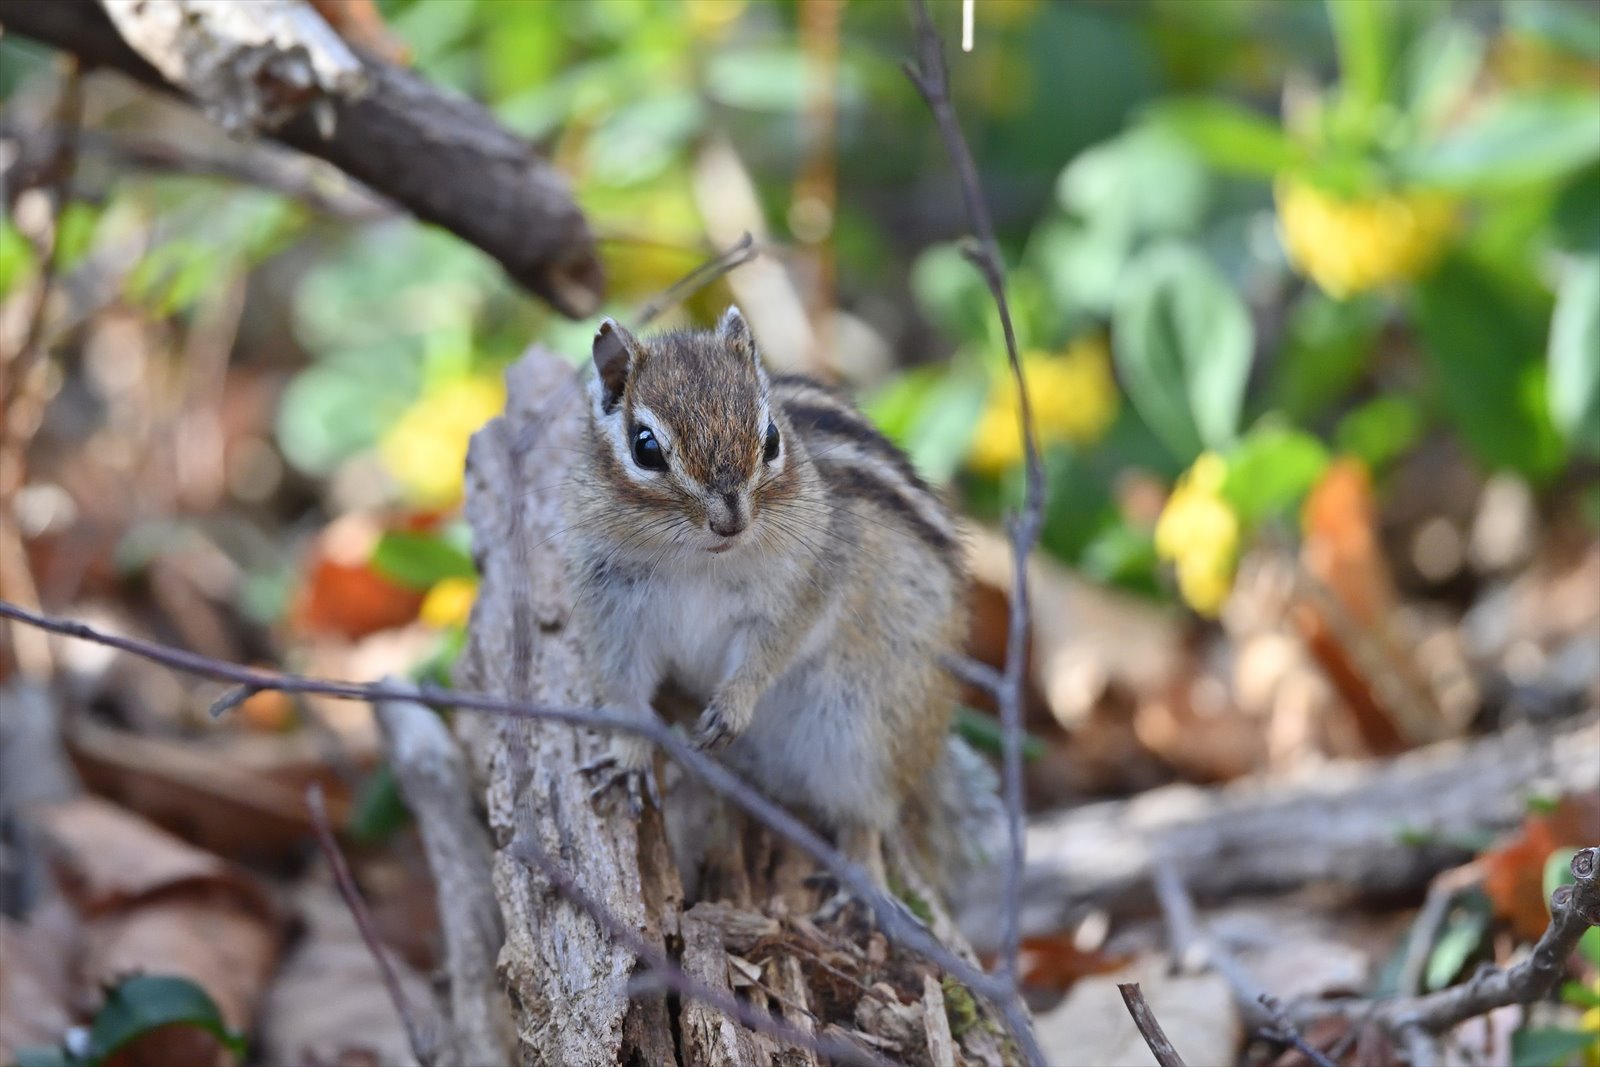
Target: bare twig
<point>890,914</point>
<point>975,673</point>
<point>421,1045</point>
<point>1573,910</point>
<point>527,851</point>
<point>741,253</point>
<point>1194,948</point>
<point>932,80</point>
<point>1149,1026</point>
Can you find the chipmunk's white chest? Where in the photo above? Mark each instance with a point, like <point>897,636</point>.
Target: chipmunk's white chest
<point>693,631</point>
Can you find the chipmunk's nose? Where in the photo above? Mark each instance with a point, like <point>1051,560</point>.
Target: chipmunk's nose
<point>727,515</point>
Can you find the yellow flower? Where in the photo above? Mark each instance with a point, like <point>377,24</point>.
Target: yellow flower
<point>449,602</point>
<point>1199,533</point>
<point>1074,399</point>
<point>712,19</point>
<point>1349,246</point>
<point>426,449</point>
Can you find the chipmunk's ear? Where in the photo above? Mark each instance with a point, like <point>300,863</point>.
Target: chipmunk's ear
<point>615,353</point>
<point>735,332</point>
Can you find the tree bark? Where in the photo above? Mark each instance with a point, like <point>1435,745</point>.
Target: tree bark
<point>442,157</point>
<point>568,982</point>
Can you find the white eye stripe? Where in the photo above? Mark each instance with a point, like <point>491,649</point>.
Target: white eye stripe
<point>644,417</point>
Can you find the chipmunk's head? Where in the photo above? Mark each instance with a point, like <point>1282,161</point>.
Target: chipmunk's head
<point>686,437</point>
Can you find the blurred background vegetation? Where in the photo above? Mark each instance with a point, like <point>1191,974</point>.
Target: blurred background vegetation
<point>1250,233</point>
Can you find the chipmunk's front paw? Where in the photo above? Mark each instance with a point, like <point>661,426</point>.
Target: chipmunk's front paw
<point>627,768</point>
<point>718,726</point>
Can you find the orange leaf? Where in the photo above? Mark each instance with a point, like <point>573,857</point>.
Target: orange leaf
<point>1055,962</point>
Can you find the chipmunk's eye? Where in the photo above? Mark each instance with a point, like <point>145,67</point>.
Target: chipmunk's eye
<point>771,452</point>
<point>647,450</point>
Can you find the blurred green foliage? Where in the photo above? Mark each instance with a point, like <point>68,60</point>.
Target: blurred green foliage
<point>1299,230</point>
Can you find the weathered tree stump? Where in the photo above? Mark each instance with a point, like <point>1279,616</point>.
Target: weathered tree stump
<point>577,996</point>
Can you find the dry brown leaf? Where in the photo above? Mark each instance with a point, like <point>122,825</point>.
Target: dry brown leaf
<point>36,990</point>
<point>243,799</point>
<point>1055,962</point>
<point>1513,874</point>
<point>154,904</point>
<point>1344,622</point>
<point>340,593</point>
<point>327,1003</point>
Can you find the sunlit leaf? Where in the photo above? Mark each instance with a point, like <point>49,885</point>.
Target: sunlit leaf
<point>1575,355</point>
<point>419,560</point>
<point>1271,470</point>
<point>1487,368</point>
<point>1183,345</point>
<point>1229,137</point>
<point>1363,30</point>
<point>1512,142</point>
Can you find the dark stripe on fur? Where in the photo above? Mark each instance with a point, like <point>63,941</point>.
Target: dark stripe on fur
<point>846,422</point>
<point>853,481</point>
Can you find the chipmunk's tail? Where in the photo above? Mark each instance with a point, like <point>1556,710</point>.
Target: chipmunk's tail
<point>958,826</point>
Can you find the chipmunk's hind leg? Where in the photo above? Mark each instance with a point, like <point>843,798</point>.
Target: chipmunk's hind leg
<point>862,845</point>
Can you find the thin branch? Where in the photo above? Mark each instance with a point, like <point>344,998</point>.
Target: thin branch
<point>892,919</point>
<point>422,1047</point>
<point>527,851</point>
<point>974,672</point>
<point>932,80</point>
<point>741,253</point>
<point>1193,947</point>
<point>1573,910</point>
<point>1161,1046</point>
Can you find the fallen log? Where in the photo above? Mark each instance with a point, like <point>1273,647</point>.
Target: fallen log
<point>1379,828</point>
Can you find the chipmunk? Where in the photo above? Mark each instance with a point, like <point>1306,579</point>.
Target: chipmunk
<point>753,541</point>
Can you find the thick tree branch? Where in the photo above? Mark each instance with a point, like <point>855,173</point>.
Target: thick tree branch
<point>442,157</point>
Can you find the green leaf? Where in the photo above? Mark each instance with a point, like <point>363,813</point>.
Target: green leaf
<point>1230,138</point>
<point>1575,219</point>
<point>1461,937</point>
<point>1362,31</point>
<point>1440,70</point>
<point>420,560</point>
<point>983,733</point>
<point>146,1002</point>
<point>1580,995</point>
<point>1271,470</point>
<point>951,293</point>
<point>1510,143</point>
<point>1380,431</point>
<point>1183,346</point>
<point>1548,1047</point>
<point>379,809</point>
<point>1574,382</point>
<point>1324,353</point>
<point>1573,28</point>
<point>1485,359</point>
<point>1145,181</point>
<point>46,1056</point>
